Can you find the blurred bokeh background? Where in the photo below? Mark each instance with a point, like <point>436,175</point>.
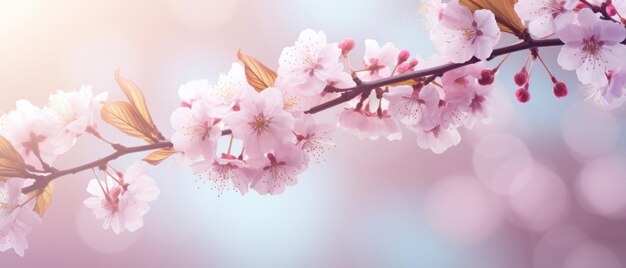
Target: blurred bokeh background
<point>543,186</point>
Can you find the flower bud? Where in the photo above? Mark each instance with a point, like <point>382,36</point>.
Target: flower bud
<point>610,10</point>
<point>487,77</point>
<point>346,46</point>
<point>521,78</point>
<point>403,56</point>
<point>522,95</point>
<point>560,89</point>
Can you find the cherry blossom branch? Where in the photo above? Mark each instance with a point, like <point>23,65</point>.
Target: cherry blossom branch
<point>41,181</point>
<point>351,93</point>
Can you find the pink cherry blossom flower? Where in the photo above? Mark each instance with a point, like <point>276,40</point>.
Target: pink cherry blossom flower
<point>16,220</point>
<point>379,61</point>
<point>545,17</point>
<point>194,90</point>
<point>294,101</point>
<point>314,139</point>
<point>408,104</point>
<point>227,92</point>
<point>121,203</point>
<point>32,131</point>
<point>592,48</point>
<point>610,96</point>
<point>430,12</point>
<point>466,101</point>
<point>77,112</point>
<point>437,138</point>
<point>261,122</point>
<point>370,125</point>
<point>224,171</point>
<point>356,122</point>
<point>197,130</point>
<point>312,64</point>
<point>277,169</point>
<point>460,35</point>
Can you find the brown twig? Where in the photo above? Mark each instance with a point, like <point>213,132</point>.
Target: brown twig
<point>351,93</point>
<point>41,181</point>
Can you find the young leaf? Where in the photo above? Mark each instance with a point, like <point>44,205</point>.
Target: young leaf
<point>137,99</point>
<point>125,117</point>
<point>11,162</point>
<point>507,18</point>
<point>258,75</point>
<point>158,156</point>
<point>44,199</point>
<point>409,82</point>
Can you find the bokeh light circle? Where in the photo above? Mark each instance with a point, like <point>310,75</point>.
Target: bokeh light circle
<point>542,202</point>
<point>556,244</point>
<point>502,163</point>
<point>591,255</point>
<point>461,209</point>
<point>601,186</point>
<point>589,131</point>
<point>105,241</point>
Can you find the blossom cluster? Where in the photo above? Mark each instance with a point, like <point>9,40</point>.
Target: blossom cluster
<point>265,116</point>
<point>40,135</point>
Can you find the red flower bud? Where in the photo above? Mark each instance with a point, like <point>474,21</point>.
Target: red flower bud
<point>403,56</point>
<point>521,78</point>
<point>522,95</point>
<point>487,77</point>
<point>610,10</point>
<point>346,46</point>
<point>560,89</point>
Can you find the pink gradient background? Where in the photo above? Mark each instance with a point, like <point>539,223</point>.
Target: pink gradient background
<point>543,186</point>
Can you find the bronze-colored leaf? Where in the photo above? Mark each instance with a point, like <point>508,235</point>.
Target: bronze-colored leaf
<point>258,75</point>
<point>126,118</point>
<point>158,156</point>
<point>409,82</point>
<point>11,162</point>
<point>507,18</point>
<point>44,199</point>
<point>137,99</point>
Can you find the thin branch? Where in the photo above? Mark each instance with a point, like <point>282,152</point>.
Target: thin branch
<point>351,93</point>
<point>41,181</point>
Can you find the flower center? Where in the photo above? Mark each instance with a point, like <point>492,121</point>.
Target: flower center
<point>207,131</point>
<point>436,131</point>
<point>468,34</point>
<point>260,124</point>
<point>460,81</point>
<point>313,68</point>
<point>477,103</point>
<point>374,66</point>
<point>592,46</point>
<point>112,201</point>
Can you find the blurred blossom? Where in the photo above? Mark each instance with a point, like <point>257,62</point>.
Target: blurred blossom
<point>589,131</point>
<point>503,163</point>
<point>556,244</point>
<point>461,200</point>
<point>542,202</point>
<point>602,186</point>
<point>591,255</point>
